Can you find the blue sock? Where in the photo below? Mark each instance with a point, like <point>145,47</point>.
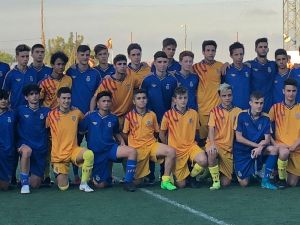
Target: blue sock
<point>130,170</point>
<point>24,179</point>
<point>270,164</point>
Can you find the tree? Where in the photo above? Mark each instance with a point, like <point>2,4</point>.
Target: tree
<point>7,58</point>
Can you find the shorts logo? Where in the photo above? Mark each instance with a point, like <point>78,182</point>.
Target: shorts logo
<point>26,116</point>
<point>167,86</point>
<point>269,70</point>
<point>97,178</point>
<point>18,80</point>
<point>259,126</point>
<point>94,123</point>
<point>297,116</point>
<point>246,124</point>
<point>42,116</point>
<point>109,124</point>
<point>240,174</point>
<point>233,75</point>
<point>74,118</point>
<point>148,123</point>
<point>153,85</point>
<point>31,78</point>
<point>9,119</point>
<point>88,79</point>
<point>191,84</point>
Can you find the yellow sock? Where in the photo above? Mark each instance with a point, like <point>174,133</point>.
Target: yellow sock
<point>165,178</point>
<point>282,169</point>
<point>87,166</point>
<point>215,173</point>
<point>196,170</point>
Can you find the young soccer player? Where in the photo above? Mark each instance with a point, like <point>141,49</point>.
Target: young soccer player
<point>136,67</point>
<point>286,116</point>
<point>141,126</point>
<point>32,139</point>
<point>7,140</point>
<point>188,79</point>
<point>63,123</point>
<point>104,68</point>
<point>102,135</point>
<point>38,55</point>
<point>55,80</point>
<point>182,124</point>
<point>238,76</point>
<point>252,143</point>
<point>220,138</point>
<point>4,68</point>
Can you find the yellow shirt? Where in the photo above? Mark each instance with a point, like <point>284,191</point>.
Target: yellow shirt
<point>49,88</point>
<point>141,128</point>
<point>140,73</point>
<point>223,122</point>
<point>181,129</point>
<point>63,129</point>
<point>209,82</point>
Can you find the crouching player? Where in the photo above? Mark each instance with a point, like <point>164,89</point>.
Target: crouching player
<point>182,125</point>
<point>140,126</point>
<point>7,147</point>
<point>220,138</point>
<point>102,129</point>
<point>32,138</point>
<point>63,123</point>
<point>252,143</point>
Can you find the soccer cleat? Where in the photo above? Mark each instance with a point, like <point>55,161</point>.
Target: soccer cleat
<point>149,182</point>
<point>194,183</point>
<point>167,185</point>
<point>85,187</point>
<point>129,187</point>
<point>281,184</point>
<point>215,186</point>
<point>267,185</point>
<point>25,189</point>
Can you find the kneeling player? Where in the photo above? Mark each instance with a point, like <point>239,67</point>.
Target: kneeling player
<point>102,129</point>
<point>140,125</point>
<point>32,138</point>
<point>63,123</point>
<point>253,136</point>
<point>220,138</point>
<point>182,125</point>
<point>7,147</point>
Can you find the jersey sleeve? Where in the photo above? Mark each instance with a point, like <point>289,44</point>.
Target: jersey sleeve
<point>272,114</point>
<point>164,123</point>
<point>7,82</point>
<point>238,125</point>
<point>100,88</point>
<point>126,127</point>
<point>43,91</point>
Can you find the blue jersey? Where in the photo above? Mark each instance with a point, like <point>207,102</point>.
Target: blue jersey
<point>278,85</point>
<point>100,131</point>
<point>160,93</point>
<point>262,80</point>
<point>190,82</point>
<point>31,126</point>
<point>110,70</point>
<point>4,68</point>
<point>7,132</point>
<point>84,85</point>
<point>14,83</point>
<point>43,72</point>
<point>240,81</point>
<point>295,74</point>
<point>173,68</point>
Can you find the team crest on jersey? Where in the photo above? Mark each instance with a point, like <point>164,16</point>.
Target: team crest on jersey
<point>109,124</point>
<point>42,116</point>
<point>74,118</point>
<point>246,124</point>
<point>255,69</point>
<point>269,70</point>
<point>297,115</point>
<point>31,78</point>
<point>9,119</point>
<point>94,123</point>
<point>18,80</point>
<point>275,81</point>
<point>153,85</point>
<point>246,74</point>
<point>88,79</point>
<point>190,120</point>
<point>26,116</point>
<point>233,75</point>
<point>191,84</point>
<point>73,77</point>
<point>167,86</point>
<point>259,126</point>
<point>148,123</point>
<point>128,86</point>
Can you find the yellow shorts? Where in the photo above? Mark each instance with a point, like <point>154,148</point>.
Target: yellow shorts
<point>181,170</point>
<point>144,154</point>
<point>293,166</point>
<point>63,167</point>
<point>203,131</point>
<point>225,162</point>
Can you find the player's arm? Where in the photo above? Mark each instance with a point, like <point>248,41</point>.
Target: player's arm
<point>295,145</point>
<point>211,138</point>
<point>242,140</point>
<point>163,136</point>
<point>126,129</point>
<point>119,138</point>
<point>93,103</point>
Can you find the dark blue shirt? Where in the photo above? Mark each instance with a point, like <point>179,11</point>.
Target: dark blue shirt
<point>278,86</point>
<point>172,68</point>
<point>7,132</point>
<point>43,72</point>
<point>110,70</point>
<point>4,68</point>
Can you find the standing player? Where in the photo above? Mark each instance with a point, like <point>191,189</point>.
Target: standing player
<point>209,72</point>
<point>182,124</point>
<point>32,139</point>
<point>4,68</point>
<point>141,126</point>
<point>101,54</point>
<point>252,143</point>
<point>286,116</point>
<point>63,123</point>
<point>220,138</point>
<point>188,79</point>
<point>238,76</point>
<point>102,133</point>
<point>7,142</point>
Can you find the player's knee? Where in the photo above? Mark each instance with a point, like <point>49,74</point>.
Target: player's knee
<point>201,160</point>
<point>292,180</point>
<point>35,183</point>
<point>244,183</point>
<point>283,153</point>
<point>26,151</point>
<point>225,182</point>
<point>88,157</point>
<point>132,154</point>
<point>181,184</point>
<point>170,153</point>
<point>63,187</point>
<point>4,186</point>
<point>273,150</point>
<point>100,185</point>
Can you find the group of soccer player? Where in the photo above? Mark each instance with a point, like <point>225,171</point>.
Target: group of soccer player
<point>238,120</point>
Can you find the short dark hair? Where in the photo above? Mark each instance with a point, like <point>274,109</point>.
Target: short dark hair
<point>102,94</point>
<point>236,45</point>
<point>37,46</point>
<point>208,42</point>
<point>291,81</point>
<point>59,55</point>
<point>256,95</point>
<point>181,90</point>
<point>133,46</point>
<point>63,90</point>
<point>139,91</point>
<point>260,40</point>
<point>280,51</point>
<point>160,54</point>
<point>119,57</point>
<point>83,48</point>
<point>22,48</point>
<point>30,88</point>
<point>4,94</point>
<point>99,48</point>
<point>185,53</point>
<point>169,41</point>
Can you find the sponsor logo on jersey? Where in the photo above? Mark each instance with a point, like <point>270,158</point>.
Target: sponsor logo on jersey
<point>26,116</point>
<point>233,75</point>
<point>94,123</point>
<point>153,85</point>
<point>18,79</point>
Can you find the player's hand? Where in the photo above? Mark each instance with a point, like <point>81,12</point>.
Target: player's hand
<point>256,152</point>
<point>122,143</point>
<point>107,76</point>
<point>292,148</point>
<point>282,146</point>
<point>224,67</point>
<point>212,150</point>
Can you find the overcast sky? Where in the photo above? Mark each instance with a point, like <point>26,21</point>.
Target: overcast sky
<point>149,21</point>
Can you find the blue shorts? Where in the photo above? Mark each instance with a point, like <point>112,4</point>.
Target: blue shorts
<point>6,164</point>
<point>102,170</point>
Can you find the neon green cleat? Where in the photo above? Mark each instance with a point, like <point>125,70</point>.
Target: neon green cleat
<point>215,186</point>
<point>167,185</point>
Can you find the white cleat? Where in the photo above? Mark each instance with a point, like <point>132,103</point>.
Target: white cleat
<point>25,189</point>
<point>85,187</point>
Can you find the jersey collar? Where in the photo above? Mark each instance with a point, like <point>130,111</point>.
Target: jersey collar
<point>222,107</point>
<point>289,107</point>
<point>16,68</point>
<point>135,70</point>
<point>175,108</point>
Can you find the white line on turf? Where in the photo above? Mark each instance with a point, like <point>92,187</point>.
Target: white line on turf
<point>184,207</point>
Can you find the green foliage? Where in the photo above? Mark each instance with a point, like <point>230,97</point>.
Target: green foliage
<point>7,58</point>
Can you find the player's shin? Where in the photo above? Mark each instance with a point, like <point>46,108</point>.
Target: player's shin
<point>87,166</point>
<point>282,164</point>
